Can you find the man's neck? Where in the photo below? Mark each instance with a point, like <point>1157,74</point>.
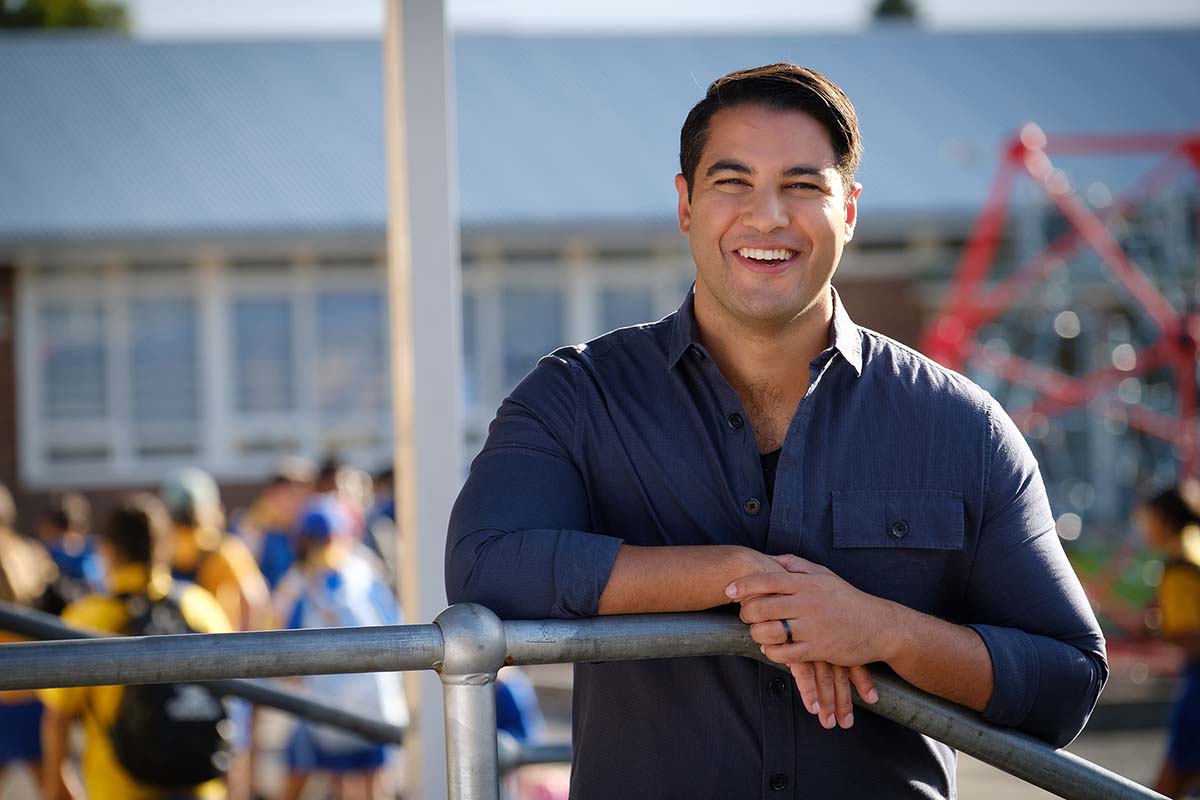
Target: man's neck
<point>754,352</point>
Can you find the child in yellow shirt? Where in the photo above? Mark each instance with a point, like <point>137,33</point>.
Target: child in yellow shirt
<point>1171,523</point>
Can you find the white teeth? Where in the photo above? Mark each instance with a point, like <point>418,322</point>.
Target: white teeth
<point>765,255</point>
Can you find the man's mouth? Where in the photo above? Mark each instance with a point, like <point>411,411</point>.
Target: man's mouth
<point>762,260</point>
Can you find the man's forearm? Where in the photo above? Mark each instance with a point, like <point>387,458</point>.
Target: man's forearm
<point>659,579</point>
<point>944,659</point>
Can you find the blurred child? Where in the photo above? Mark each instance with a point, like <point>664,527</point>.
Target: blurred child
<point>203,553</point>
<point>64,530</point>
<point>334,585</point>
<point>25,573</point>
<point>134,545</point>
<point>267,528</point>
<point>1171,523</point>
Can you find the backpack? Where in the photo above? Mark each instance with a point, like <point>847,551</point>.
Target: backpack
<point>169,734</point>
<point>351,596</point>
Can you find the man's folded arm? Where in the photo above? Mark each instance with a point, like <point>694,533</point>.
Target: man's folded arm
<point>1026,603</point>
<point>520,541</point>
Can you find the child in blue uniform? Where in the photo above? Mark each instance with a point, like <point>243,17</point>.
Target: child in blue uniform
<point>336,585</point>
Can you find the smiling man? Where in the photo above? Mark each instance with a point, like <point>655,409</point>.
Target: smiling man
<point>859,503</point>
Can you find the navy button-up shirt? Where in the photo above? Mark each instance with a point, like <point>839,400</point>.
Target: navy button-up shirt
<point>901,476</point>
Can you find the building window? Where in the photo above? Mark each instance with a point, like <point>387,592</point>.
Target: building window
<point>622,306</point>
<point>352,358</point>
<point>71,338</point>
<point>164,382</point>
<point>532,326</point>
<point>262,355</point>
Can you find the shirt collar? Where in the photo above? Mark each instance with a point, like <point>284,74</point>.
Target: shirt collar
<point>683,330</point>
<point>845,336</point>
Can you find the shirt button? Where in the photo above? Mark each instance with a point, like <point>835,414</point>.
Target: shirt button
<point>736,421</point>
<point>752,506</point>
<point>697,353</point>
<point>777,686</point>
<point>899,529</point>
<point>779,781</point>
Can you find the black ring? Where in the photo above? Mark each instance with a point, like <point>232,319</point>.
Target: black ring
<point>788,630</point>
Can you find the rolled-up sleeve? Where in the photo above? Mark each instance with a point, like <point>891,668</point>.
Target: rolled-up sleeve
<point>1026,603</point>
<point>518,541</point>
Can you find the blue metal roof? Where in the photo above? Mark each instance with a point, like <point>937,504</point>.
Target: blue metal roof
<point>113,138</point>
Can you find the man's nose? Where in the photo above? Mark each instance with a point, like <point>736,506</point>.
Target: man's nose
<point>767,212</point>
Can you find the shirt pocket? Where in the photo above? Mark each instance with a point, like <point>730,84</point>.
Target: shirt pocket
<point>900,544</point>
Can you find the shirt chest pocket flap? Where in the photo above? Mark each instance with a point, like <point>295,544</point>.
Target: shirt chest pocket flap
<point>917,519</point>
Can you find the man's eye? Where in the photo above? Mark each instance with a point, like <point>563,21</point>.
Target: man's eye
<point>804,186</point>
<point>731,182</point>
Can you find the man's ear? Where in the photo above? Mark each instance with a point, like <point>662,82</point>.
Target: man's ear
<point>685,204</point>
<point>852,210</point>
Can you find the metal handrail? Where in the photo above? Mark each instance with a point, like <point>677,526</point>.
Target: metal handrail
<point>41,626</point>
<point>468,644</point>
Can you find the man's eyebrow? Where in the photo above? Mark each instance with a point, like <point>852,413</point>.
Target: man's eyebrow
<point>729,166</point>
<point>797,171</point>
<point>803,170</point>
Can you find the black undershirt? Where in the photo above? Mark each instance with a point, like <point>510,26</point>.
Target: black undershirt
<point>770,462</point>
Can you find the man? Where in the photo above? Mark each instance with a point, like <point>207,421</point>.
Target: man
<point>134,546</point>
<point>861,503</point>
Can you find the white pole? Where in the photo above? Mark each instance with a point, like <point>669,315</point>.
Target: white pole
<point>424,307</point>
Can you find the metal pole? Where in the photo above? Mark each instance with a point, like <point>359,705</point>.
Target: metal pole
<point>475,651</point>
<point>423,295</point>
<point>515,754</point>
<point>627,638</point>
<point>215,656</point>
<point>39,625</point>
<point>1065,774</point>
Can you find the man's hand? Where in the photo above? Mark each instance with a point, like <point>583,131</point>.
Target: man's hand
<point>834,630</point>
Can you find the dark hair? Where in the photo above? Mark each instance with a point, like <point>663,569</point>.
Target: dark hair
<point>137,529</point>
<point>779,87</point>
<point>69,511</point>
<point>1173,508</point>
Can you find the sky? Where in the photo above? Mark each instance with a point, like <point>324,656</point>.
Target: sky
<point>308,18</point>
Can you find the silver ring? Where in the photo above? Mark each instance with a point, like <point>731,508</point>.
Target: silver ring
<point>788,630</point>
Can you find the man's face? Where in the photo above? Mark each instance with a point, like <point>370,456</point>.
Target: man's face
<point>768,216</point>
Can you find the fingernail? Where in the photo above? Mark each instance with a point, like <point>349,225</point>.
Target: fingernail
<point>830,721</point>
<point>816,708</point>
<point>872,696</point>
<point>731,590</point>
<point>847,720</point>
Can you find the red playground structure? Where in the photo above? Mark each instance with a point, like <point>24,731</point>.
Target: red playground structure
<point>977,297</point>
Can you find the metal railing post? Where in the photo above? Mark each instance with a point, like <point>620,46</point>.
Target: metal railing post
<point>475,649</point>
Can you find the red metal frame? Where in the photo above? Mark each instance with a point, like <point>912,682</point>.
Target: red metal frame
<point>952,336</point>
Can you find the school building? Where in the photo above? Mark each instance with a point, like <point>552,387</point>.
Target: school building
<point>192,233</point>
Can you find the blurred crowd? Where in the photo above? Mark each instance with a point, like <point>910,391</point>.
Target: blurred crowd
<point>316,548</point>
